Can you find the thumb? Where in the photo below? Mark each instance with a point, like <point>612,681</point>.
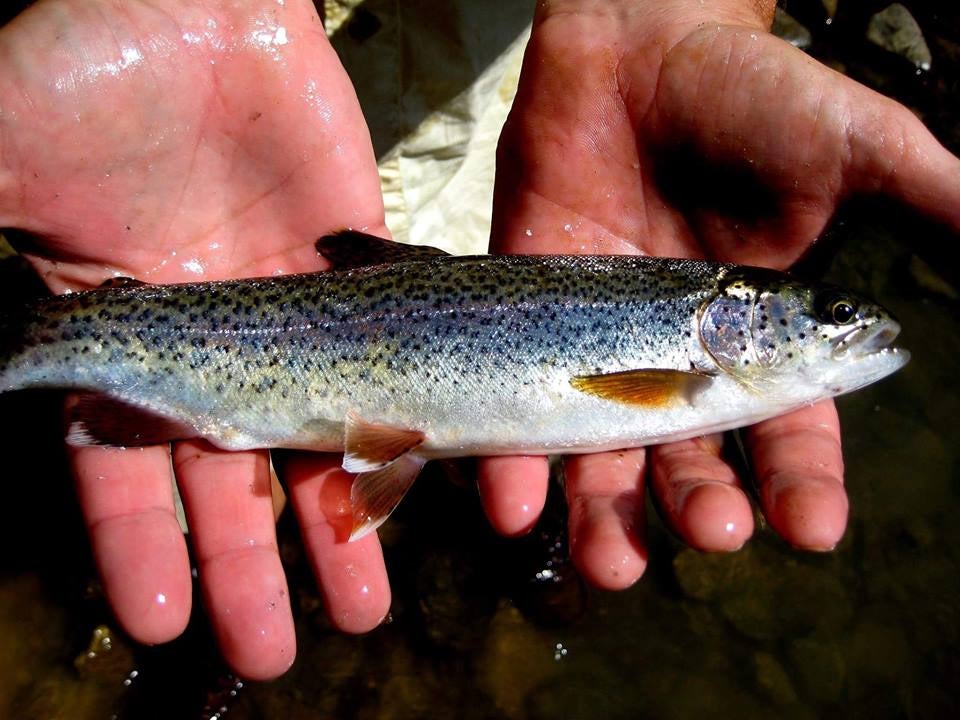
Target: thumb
<point>893,153</point>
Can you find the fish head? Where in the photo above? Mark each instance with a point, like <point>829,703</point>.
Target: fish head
<point>766,329</point>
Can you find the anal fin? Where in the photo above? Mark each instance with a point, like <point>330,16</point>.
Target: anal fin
<point>371,446</point>
<point>374,495</point>
<point>100,420</point>
<point>644,388</point>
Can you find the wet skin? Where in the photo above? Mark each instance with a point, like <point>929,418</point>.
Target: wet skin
<point>155,144</point>
<point>671,129</point>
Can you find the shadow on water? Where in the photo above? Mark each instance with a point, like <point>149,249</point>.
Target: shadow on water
<point>489,628</point>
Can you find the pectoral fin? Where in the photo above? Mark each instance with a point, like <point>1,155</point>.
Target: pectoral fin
<point>369,446</point>
<point>644,388</point>
<point>375,494</point>
<point>351,249</point>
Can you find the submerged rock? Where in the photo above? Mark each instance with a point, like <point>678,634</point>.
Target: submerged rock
<point>107,656</point>
<point>930,280</point>
<point>578,696</point>
<point>456,600</point>
<point>895,29</point>
<point>765,594</point>
<point>772,679</point>
<point>819,668</point>
<point>515,660</point>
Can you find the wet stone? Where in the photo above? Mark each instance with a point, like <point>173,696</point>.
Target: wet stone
<point>406,686</point>
<point>328,664</point>
<point>512,643</point>
<point>894,29</point>
<point>766,593</point>
<point>107,656</point>
<point>772,679</point>
<point>930,280</point>
<point>456,600</point>
<point>879,650</point>
<point>577,697</point>
<point>708,576</point>
<point>53,697</point>
<point>819,668</point>
<point>673,694</point>
<point>896,443</point>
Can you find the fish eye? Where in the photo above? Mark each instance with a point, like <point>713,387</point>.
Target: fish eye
<point>837,309</point>
<point>843,311</point>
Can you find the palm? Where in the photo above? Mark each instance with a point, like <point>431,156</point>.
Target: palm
<point>184,146</point>
<point>174,144</point>
<point>740,148</point>
<point>719,142</point>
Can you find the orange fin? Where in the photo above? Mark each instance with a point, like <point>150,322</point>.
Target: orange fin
<point>352,249</point>
<point>644,388</point>
<point>374,495</point>
<point>369,447</point>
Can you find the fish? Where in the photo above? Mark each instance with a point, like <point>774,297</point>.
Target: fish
<point>401,354</point>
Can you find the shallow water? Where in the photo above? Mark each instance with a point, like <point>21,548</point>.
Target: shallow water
<point>489,628</point>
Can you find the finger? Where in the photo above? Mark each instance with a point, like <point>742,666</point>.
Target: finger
<point>229,507</point>
<point>513,491</point>
<point>891,151</point>
<point>605,495</point>
<point>700,495</point>
<point>127,502</point>
<point>799,467</point>
<point>352,575</point>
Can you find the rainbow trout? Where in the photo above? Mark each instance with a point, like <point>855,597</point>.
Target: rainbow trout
<point>401,354</point>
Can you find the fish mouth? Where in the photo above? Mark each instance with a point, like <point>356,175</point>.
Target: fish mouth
<point>865,340</point>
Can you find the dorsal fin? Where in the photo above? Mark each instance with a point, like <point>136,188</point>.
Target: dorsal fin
<point>352,249</point>
<point>100,420</point>
<point>121,281</point>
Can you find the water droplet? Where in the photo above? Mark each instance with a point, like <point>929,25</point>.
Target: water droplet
<point>194,265</point>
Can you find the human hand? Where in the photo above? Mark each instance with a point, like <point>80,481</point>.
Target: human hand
<point>181,142</point>
<point>683,130</point>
